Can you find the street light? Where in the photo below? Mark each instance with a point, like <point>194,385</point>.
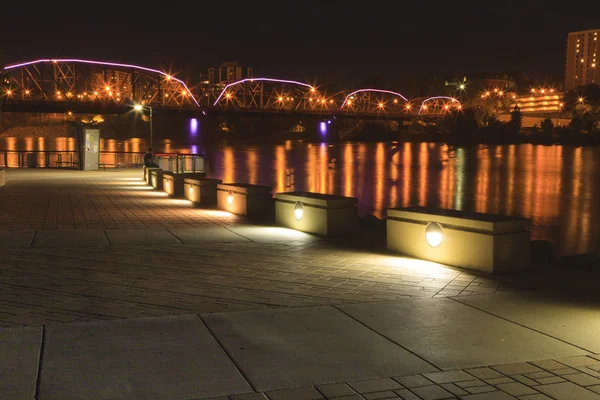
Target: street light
<point>139,108</point>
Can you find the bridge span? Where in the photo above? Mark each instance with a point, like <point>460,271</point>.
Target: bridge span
<point>89,86</point>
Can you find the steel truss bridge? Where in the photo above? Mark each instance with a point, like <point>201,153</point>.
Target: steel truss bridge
<point>87,86</point>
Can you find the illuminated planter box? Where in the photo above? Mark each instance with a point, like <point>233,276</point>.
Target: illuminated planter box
<point>323,214</point>
<point>482,242</point>
<point>156,178</point>
<point>173,182</point>
<point>245,199</point>
<point>147,174</point>
<point>2,177</point>
<point>201,190</point>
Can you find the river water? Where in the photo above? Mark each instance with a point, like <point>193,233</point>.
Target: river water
<point>557,187</point>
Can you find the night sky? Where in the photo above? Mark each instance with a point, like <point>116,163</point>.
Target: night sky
<point>347,42</point>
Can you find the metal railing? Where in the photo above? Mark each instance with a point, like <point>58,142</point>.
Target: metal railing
<point>121,159</point>
<point>181,163</point>
<point>67,159</point>
<point>38,158</point>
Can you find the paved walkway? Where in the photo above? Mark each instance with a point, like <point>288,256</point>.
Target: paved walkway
<point>109,290</point>
<point>61,200</point>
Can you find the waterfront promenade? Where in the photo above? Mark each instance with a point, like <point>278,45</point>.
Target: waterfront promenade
<point>111,290</point>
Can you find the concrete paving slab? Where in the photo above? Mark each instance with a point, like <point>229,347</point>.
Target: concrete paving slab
<point>277,349</point>
<point>172,357</point>
<point>19,359</point>
<point>571,320</point>
<point>78,238</point>
<point>568,391</point>
<point>127,237</point>
<point>203,235</point>
<point>16,239</point>
<point>269,234</point>
<point>452,335</point>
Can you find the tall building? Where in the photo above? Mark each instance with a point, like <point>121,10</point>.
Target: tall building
<point>582,49</point>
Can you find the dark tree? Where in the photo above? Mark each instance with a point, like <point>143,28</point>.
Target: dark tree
<point>516,121</point>
<point>547,127</point>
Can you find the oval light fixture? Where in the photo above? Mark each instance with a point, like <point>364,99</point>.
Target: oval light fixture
<point>230,197</point>
<point>433,234</point>
<point>298,210</point>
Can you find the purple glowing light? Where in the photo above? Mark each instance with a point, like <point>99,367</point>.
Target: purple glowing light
<point>452,99</point>
<point>373,90</point>
<point>323,127</point>
<point>260,79</point>
<point>105,63</point>
<point>194,149</point>
<point>193,126</point>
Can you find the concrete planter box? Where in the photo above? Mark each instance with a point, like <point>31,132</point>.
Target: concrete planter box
<point>201,190</point>
<point>147,174</point>
<point>173,182</point>
<point>245,199</point>
<point>2,177</point>
<point>323,214</point>
<point>156,178</point>
<point>482,242</point>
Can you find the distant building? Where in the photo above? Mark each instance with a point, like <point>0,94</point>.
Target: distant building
<point>582,48</point>
<point>540,101</point>
<point>225,73</point>
<point>480,82</point>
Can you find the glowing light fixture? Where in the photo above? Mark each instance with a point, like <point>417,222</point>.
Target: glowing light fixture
<point>230,198</point>
<point>433,234</point>
<point>298,211</point>
<point>138,107</point>
<point>191,190</point>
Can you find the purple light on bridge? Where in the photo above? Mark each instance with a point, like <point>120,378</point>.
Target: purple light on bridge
<point>260,79</point>
<point>105,63</point>
<point>323,128</point>
<point>194,149</point>
<point>372,90</point>
<point>193,126</point>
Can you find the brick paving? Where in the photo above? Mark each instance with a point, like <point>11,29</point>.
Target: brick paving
<point>62,200</point>
<point>561,379</point>
<point>53,285</point>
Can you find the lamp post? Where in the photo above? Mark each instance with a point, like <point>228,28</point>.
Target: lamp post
<point>139,107</point>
